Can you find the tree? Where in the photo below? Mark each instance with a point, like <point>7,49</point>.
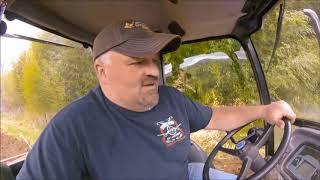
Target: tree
<point>47,77</point>
<point>293,74</point>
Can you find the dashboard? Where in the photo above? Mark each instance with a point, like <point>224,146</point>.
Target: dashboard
<point>304,164</point>
<point>302,158</point>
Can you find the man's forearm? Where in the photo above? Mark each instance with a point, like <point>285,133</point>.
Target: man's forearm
<point>228,118</point>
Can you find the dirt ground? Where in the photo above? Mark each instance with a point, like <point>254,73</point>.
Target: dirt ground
<point>11,146</point>
<point>231,165</point>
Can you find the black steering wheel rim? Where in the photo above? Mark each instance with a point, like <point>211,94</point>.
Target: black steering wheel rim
<point>271,163</point>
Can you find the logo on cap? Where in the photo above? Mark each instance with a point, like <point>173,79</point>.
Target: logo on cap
<point>136,24</point>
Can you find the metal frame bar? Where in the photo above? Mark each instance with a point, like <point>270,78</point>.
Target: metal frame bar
<point>261,84</point>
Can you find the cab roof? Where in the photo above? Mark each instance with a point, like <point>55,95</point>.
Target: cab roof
<point>81,20</point>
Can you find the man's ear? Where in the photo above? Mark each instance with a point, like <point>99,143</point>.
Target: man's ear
<point>100,69</point>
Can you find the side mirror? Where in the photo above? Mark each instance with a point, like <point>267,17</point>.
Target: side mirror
<point>3,28</point>
<point>3,25</point>
<point>315,22</point>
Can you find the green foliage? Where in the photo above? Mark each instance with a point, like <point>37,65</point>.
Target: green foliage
<point>299,5</point>
<point>31,76</point>
<point>227,82</point>
<point>77,71</point>
<point>294,72</point>
<point>10,97</point>
<point>47,77</point>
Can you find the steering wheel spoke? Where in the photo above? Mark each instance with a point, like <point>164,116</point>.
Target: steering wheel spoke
<point>261,142</point>
<point>245,169</point>
<point>229,151</point>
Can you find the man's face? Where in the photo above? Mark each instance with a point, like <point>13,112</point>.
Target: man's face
<point>133,80</point>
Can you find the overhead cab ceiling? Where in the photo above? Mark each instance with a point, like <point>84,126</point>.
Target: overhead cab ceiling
<point>81,20</point>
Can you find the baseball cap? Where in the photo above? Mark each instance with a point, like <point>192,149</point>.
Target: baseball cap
<point>135,39</point>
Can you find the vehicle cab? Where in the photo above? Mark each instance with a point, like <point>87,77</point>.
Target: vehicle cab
<point>235,53</point>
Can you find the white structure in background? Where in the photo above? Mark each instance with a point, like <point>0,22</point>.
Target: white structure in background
<point>167,70</point>
<point>190,61</point>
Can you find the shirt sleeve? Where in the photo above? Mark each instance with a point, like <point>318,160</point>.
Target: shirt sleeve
<point>54,156</point>
<point>198,115</point>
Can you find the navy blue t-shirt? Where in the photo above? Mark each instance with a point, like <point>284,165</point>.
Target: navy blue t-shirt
<point>95,137</point>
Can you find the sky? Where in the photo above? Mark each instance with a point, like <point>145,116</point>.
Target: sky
<point>12,48</point>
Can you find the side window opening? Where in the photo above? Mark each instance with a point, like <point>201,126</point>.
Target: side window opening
<point>214,73</point>
<point>37,80</point>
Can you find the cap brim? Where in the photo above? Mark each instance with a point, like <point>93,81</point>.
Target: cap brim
<point>149,45</point>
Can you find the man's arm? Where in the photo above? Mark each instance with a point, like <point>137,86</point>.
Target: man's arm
<point>228,118</point>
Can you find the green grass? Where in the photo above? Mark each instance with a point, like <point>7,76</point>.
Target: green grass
<point>15,124</point>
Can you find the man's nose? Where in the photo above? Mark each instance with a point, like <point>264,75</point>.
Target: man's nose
<point>153,69</point>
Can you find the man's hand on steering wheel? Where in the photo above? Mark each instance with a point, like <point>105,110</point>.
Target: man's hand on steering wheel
<point>275,112</point>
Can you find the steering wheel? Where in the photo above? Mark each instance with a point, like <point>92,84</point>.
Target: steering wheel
<point>249,152</point>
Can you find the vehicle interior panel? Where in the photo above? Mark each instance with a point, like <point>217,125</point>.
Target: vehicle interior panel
<point>302,158</point>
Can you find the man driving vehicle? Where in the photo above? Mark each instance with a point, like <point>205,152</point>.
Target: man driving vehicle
<point>130,127</point>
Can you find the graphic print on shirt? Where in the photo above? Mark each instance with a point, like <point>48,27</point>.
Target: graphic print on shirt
<point>170,131</point>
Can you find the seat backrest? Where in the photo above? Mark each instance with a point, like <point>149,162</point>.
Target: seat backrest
<point>6,173</point>
<point>196,154</point>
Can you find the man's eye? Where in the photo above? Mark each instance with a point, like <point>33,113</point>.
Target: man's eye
<point>136,63</point>
<point>157,61</point>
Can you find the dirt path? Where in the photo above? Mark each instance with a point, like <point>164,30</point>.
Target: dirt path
<point>11,146</point>
<point>231,165</point>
